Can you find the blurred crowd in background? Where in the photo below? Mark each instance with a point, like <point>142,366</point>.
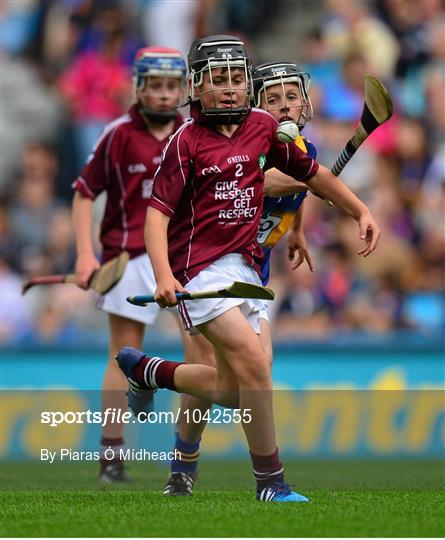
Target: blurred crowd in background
<point>66,73</point>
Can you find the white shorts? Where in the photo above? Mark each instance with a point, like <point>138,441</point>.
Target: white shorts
<point>138,278</point>
<point>218,275</point>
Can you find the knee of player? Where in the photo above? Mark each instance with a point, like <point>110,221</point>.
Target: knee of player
<point>255,369</point>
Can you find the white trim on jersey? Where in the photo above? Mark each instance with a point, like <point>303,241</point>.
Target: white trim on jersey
<point>112,131</point>
<point>122,207</point>
<point>256,109</point>
<point>179,157</point>
<point>109,127</point>
<point>309,170</point>
<point>169,208</point>
<point>187,123</point>
<point>82,181</point>
<point>192,220</point>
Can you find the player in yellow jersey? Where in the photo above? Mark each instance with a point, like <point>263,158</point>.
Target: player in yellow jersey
<point>282,89</point>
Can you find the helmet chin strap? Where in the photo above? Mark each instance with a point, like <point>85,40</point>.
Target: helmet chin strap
<point>158,117</point>
<point>222,117</point>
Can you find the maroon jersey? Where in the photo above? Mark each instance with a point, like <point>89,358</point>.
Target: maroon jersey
<point>211,186</point>
<point>123,163</point>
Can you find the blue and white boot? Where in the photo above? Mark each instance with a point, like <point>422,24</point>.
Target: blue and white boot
<point>140,399</point>
<point>279,492</point>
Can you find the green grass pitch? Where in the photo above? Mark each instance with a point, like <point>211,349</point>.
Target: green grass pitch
<point>392,499</point>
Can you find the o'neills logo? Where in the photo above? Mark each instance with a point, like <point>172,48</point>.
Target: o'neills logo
<point>238,159</point>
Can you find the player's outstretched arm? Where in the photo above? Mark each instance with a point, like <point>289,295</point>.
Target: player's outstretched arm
<point>296,242</point>
<point>278,184</point>
<point>82,216</point>
<point>333,189</point>
<point>156,243</point>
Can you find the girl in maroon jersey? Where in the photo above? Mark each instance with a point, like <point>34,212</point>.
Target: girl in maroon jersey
<point>287,99</point>
<point>201,233</point>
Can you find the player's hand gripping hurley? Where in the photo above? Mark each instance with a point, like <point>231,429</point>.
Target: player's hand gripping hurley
<point>376,111</point>
<point>102,280</point>
<point>238,289</point>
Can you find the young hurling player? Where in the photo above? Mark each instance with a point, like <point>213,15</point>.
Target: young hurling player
<point>201,232</point>
<point>123,164</point>
<point>282,89</point>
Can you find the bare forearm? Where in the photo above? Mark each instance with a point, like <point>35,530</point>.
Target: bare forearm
<point>155,233</point>
<point>297,223</point>
<point>82,216</point>
<point>278,184</point>
<point>156,242</point>
<point>333,189</point>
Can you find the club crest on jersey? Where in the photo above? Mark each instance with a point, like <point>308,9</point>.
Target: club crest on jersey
<point>211,170</point>
<point>262,160</point>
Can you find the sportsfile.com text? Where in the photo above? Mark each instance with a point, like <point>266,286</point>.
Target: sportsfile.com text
<point>112,415</point>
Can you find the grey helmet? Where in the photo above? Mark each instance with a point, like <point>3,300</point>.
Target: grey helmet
<point>220,51</point>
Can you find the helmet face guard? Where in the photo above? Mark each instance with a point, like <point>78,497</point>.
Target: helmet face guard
<point>281,73</point>
<point>157,62</point>
<point>223,53</point>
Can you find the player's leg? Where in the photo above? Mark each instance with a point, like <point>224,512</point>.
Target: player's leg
<point>265,338</point>
<point>126,323</point>
<point>268,469</point>
<point>193,419</point>
<point>144,372</point>
<point>181,478</point>
<point>191,422</point>
<point>202,353</point>
<point>123,331</point>
<point>236,343</point>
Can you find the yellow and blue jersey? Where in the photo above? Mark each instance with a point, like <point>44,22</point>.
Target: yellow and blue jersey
<point>278,214</point>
